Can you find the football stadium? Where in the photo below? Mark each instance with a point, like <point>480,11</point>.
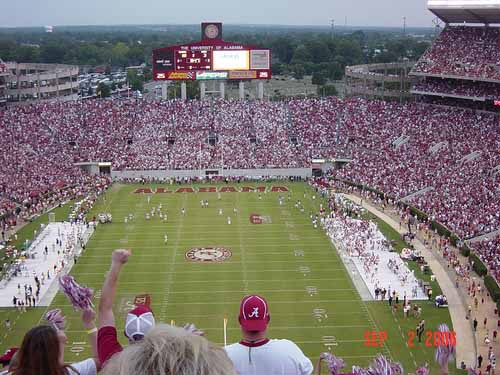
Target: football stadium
<point>320,235</point>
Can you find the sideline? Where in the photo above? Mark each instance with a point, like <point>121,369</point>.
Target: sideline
<point>465,349</point>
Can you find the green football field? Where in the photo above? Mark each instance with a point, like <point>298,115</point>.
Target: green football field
<point>294,266</point>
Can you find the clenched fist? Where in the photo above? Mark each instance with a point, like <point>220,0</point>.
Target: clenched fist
<point>120,256</point>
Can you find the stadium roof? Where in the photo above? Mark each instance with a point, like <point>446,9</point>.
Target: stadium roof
<point>468,11</point>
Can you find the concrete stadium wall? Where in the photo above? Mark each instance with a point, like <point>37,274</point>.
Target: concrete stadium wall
<point>269,172</point>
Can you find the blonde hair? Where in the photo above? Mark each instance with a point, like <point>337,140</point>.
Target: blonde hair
<point>168,350</point>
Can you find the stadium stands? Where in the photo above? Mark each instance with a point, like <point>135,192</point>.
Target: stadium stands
<point>464,51</point>
<point>146,135</point>
<point>489,251</point>
<point>471,89</point>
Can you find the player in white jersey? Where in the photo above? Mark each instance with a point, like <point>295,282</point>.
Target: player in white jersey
<point>256,354</point>
<point>165,238</point>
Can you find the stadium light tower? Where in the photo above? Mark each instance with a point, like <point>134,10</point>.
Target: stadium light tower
<point>333,27</point>
<point>404,25</point>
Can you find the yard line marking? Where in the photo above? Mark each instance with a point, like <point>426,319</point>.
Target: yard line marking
<point>329,270</point>
<point>227,281</point>
<point>279,328</point>
<point>287,246</point>
<point>284,252</point>
<point>220,316</point>
<point>243,252</point>
<point>211,291</point>
<point>172,268</point>
<point>204,265</point>
<point>264,228</point>
<point>236,303</point>
<point>262,238</point>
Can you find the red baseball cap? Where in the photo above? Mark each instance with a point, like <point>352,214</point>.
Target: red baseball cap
<point>254,313</point>
<point>7,356</point>
<point>139,322</point>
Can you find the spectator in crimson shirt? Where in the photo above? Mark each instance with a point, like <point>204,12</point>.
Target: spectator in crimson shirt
<point>138,323</point>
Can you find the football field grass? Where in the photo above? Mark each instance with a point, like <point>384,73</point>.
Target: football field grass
<point>311,297</point>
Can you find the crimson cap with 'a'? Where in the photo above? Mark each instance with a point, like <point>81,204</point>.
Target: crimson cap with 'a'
<point>139,322</point>
<point>254,313</point>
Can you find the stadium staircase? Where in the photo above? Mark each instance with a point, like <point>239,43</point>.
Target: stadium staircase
<point>417,193</point>
<point>486,236</point>
<point>292,136</point>
<point>400,141</point>
<point>496,170</point>
<point>472,156</point>
<point>437,147</point>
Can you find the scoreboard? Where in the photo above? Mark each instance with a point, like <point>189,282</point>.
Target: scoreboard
<point>211,60</point>
<point>193,60</point>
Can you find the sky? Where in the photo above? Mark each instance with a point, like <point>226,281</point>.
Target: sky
<point>388,13</point>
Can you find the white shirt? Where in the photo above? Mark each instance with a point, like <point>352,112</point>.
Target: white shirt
<point>277,357</point>
<point>86,367</point>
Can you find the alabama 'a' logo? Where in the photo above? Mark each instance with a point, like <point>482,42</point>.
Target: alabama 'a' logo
<point>208,254</point>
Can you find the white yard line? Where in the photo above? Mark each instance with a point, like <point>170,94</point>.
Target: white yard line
<point>226,281</point>
<point>226,262</point>
<point>275,314</point>
<point>276,328</point>
<point>215,269</point>
<point>182,255</point>
<point>237,302</point>
<point>165,302</point>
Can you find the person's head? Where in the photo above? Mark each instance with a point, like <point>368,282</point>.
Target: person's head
<point>138,323</point>
<point>168,350</point>
<point>40,352</point>
<point>254,314</point>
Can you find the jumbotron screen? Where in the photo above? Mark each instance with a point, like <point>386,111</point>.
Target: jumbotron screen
<point>203,61</point>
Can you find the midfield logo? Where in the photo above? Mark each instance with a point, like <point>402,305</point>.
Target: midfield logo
<point>208,254</point>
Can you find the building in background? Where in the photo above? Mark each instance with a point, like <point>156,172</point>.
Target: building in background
<point>33,81</point>
<point>388,81</point>
<point>3,83</point>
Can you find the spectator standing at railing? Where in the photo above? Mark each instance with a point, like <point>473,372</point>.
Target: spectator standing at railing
<point>256,353</point>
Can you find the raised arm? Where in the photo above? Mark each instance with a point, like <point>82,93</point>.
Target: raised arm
<point>118,259</point>
<point>317,370</point>
<point>88,319</point>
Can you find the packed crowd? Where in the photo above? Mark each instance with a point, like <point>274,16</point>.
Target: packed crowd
<point>467,88</point>
<point>142,135</point>
<point>454,152</point>
<point>463,51</point>
<point>489,252</point>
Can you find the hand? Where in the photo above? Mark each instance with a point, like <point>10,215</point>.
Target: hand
<point>88,318</point>
<point>120,256</point>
